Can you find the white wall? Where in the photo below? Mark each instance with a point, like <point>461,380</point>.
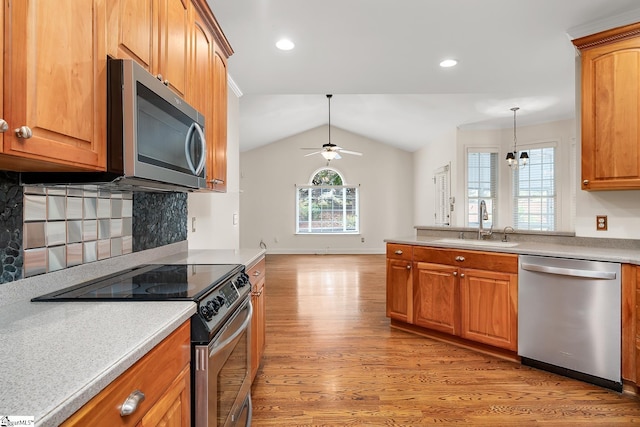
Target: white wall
<point>268,176</point>
<point>426,161</point>
<point>214,212</point>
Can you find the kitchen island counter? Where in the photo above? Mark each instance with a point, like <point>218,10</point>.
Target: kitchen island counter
<point>626,255</point>
<point>59,355</point>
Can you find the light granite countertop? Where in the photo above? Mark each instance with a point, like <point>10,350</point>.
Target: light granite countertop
<point>58,355</point>
<point>594,253</point>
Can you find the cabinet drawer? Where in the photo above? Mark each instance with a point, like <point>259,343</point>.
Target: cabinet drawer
<point>257,271</point>
<point>491,261</point>
<point>396,251</point>
<point>152,375</point>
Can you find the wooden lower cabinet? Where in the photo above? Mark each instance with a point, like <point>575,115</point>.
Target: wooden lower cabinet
<point>489,306</point>
<point>400,282</point>
<point>163,375</point>
<point>472,295</point>
<point>437,298</point>
<point>257,275</point>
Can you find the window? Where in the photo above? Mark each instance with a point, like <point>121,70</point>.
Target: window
<point>535,192</point>
<point>327,206</point>
<point>482,179</point>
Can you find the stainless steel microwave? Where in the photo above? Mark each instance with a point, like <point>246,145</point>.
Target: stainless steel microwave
<point>152,133</point>
<point>155,140</point>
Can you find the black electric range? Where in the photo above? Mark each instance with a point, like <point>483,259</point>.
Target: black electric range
<point>217,289</point>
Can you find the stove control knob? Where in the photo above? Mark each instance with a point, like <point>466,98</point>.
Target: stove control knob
<point>221,300</point>
<point>206,312</point>
<point>213,306</point>
<point>241,282</point>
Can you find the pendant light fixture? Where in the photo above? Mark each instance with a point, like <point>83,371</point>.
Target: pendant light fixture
<point>512,157</point>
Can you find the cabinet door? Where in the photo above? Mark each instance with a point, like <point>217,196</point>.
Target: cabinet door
<point>55,83</point>
<point>174,27</point>
<point>201,84</point>
<point>131,29</point>
<point>437,297</point>
<point>611,116</point>
<point>399,290</point>
<point>219,169</point>
<point>489,308</point>
<point>257,326</point>
<point>173,408</point>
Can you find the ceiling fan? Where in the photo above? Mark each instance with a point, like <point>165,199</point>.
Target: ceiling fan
<point>329,150</point>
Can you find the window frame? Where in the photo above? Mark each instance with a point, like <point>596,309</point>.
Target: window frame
<point>345,211</point>
<point>515,186</point>
<point>493,213</point>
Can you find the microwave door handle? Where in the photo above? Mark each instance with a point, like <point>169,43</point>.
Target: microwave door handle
<point>187,140</point>
<point>203,144</point>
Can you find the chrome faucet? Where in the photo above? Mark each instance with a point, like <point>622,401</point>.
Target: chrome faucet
<point>484,216</point>
<point>507,228</point>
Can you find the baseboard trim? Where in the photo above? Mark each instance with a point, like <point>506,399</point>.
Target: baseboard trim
<point>329,251</point>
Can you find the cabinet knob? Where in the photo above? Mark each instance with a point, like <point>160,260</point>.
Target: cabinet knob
<point>166,82</point>
<point>398,252</point>
<point>585,182</point>
<point>455,273</point>
<point>159,77</point>
<point>256,273</point>
<point>408,266</point>
<point>4,126</point>
<point>24,132</point>
<point>459,258</point>
<point>130,405</point>
<point>461,274</point>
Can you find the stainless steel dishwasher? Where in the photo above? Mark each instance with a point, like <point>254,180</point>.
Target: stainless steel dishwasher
<point>569,318</point>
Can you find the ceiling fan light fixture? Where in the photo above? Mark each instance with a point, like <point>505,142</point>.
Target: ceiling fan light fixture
<point>329,155</point>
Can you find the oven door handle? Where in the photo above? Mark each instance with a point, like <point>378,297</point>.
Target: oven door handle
<point>245,324</point>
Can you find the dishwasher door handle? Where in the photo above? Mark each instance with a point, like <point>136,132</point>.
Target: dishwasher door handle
<point>586,274</point>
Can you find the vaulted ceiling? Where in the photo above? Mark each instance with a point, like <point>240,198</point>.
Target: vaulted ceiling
<point>380,59</point>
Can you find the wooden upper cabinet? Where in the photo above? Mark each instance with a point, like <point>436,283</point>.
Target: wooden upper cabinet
<point>131,29</point>
<point>173,36</point>
<point>611,109</point>
<point>54,85</point>
<point>4,126</point>
<point>219,172</point>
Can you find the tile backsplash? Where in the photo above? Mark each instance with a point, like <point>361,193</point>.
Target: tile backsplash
<point>66,226</point>
<point>43,229</point>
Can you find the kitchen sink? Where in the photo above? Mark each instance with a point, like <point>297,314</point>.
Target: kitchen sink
<point>483,243</point>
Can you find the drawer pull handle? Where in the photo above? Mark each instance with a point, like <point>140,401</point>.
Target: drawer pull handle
<point>256,273</point>
<point>459,258</point>
<point>131,404</point>
<point>398,252</point>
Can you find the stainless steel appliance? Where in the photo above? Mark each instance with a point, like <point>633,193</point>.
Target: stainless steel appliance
<point>220,330</point>
<point>155,140</point>
<point>569,318</point>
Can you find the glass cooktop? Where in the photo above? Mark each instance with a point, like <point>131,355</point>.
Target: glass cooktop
<point>151,282</point>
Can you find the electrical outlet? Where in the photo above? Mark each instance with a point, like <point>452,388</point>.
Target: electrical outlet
<point>601,222</point>
<point>362,239</point>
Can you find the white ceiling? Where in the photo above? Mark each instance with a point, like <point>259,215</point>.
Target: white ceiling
<point>380,60</point>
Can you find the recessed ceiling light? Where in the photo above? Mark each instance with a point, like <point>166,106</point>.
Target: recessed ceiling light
<point>448,63</point>
<point>285,44</point>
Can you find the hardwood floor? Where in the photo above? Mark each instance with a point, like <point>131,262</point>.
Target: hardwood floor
<point>332,360</point>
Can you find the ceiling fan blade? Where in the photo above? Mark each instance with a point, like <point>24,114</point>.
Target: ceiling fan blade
<point>351,152</point>
<point>311,154</point>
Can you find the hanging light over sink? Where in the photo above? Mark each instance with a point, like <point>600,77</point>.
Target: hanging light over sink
<point>513,160</point>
